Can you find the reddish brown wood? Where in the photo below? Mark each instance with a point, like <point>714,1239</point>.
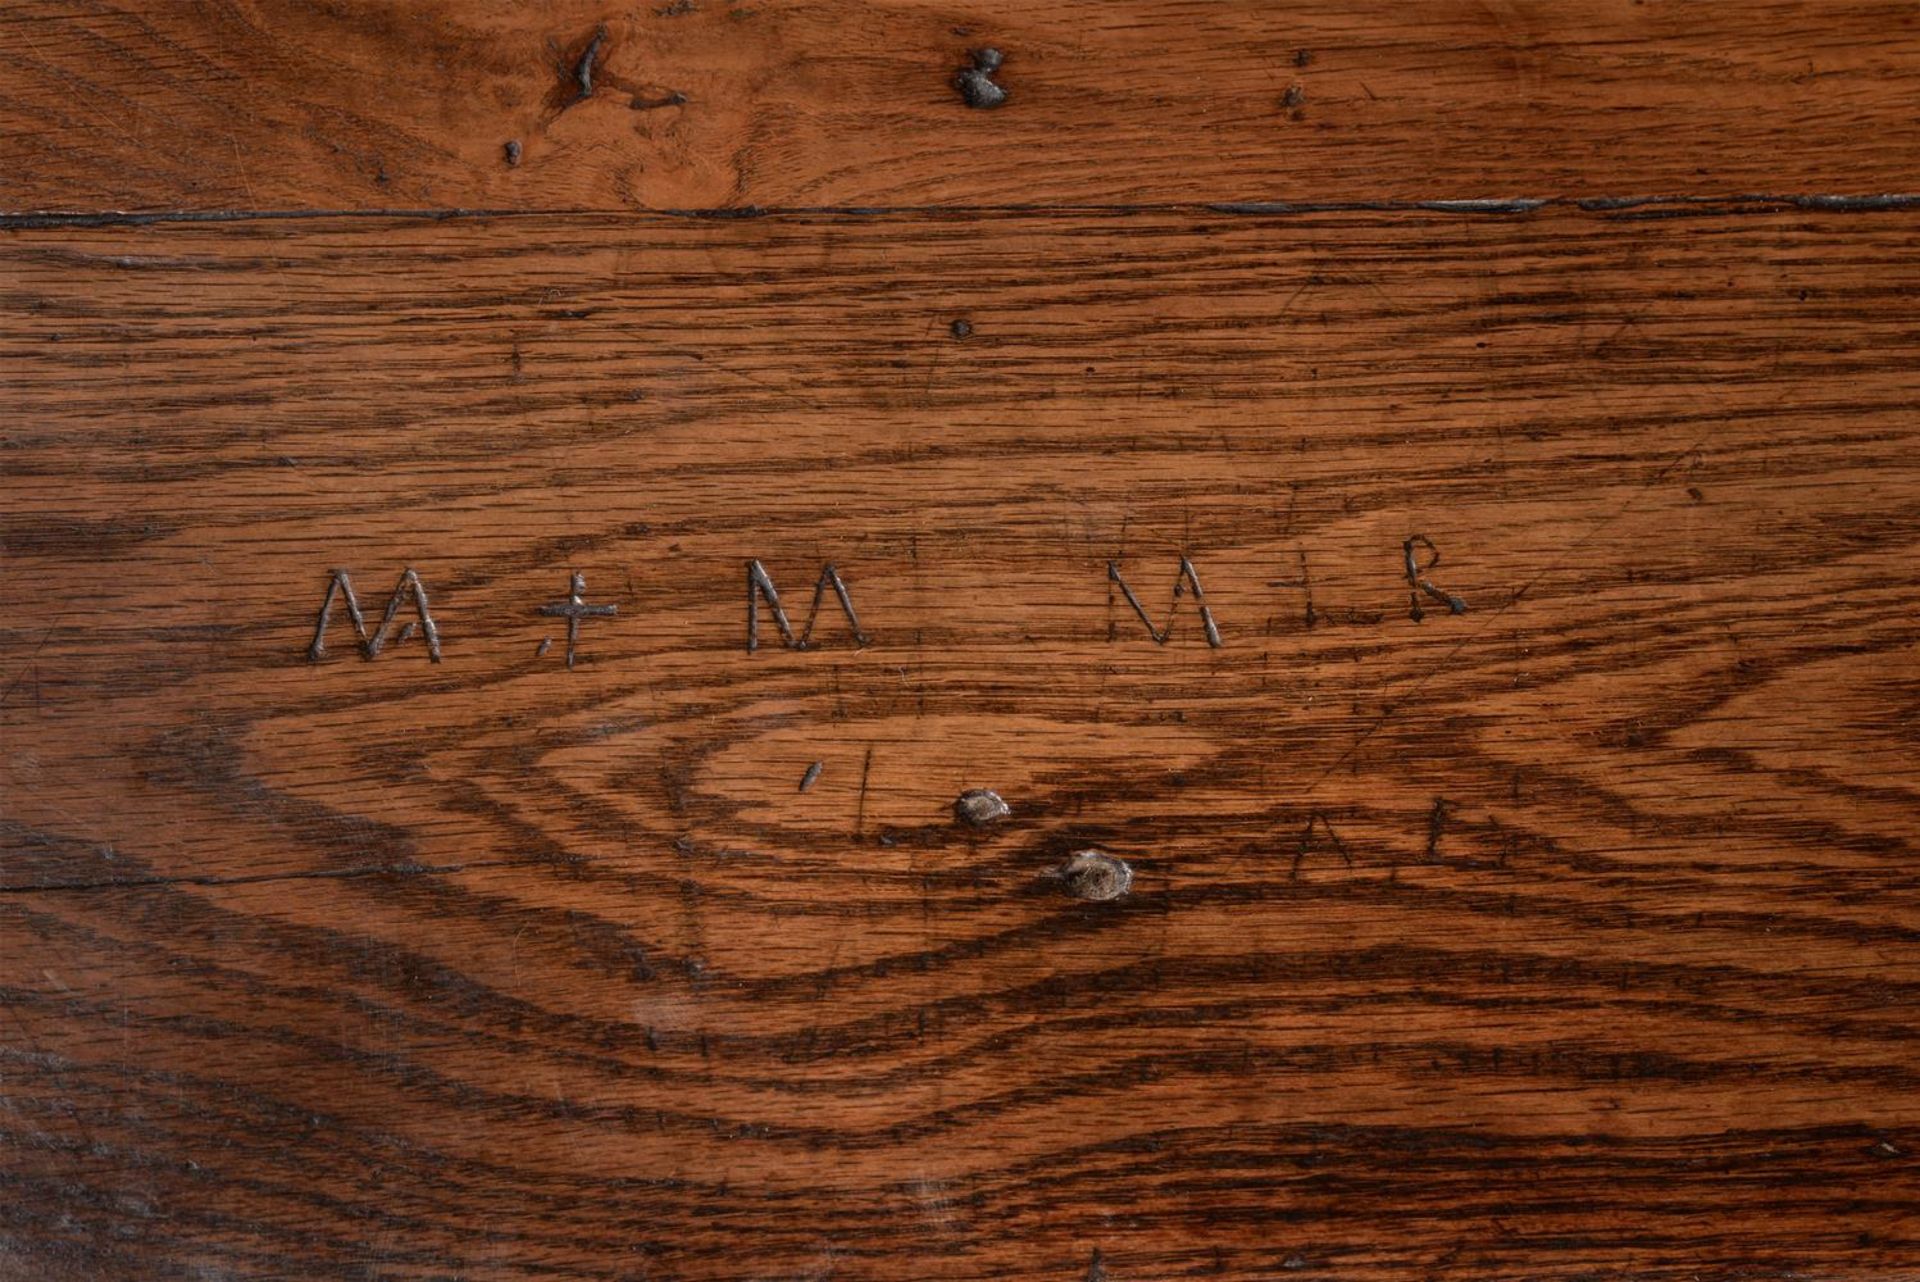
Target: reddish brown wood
<point>1573,936</point>
<point>1569,937</point>
<point>285,104</point>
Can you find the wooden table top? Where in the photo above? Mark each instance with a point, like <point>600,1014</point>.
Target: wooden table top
<point>1115,640</point>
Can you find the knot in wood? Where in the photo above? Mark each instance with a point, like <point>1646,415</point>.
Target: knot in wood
<point>1095,876</point>
<point>980,808</point>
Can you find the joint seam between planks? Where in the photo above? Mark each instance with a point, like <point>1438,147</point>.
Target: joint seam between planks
<point>1631,206</point>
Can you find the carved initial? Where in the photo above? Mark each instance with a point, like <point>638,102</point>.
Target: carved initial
<point>760,585</point>
<point>1417,581</point>
<point>1187,578</point>
<point>370,646</point>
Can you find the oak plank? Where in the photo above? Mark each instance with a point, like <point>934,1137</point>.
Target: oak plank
<point>1571,935</point>
<point>724,104</point>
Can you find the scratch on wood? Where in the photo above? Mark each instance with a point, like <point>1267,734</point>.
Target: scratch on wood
<point>671,98</point>
<point>22,675</point>
<point>1436,826</point>
<point>1304,583</point>
<point>860,809</point>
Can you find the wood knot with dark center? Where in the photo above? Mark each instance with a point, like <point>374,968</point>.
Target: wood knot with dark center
<point>1095,876</point>
<point>980,808</point>
<point>975,83</point>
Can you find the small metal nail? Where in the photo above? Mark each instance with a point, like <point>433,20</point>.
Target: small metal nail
<point>975,83</point>
<point>980,808</point>
<point>1095,875</point>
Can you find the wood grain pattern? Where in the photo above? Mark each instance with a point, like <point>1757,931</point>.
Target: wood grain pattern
<point>288,104</point>
<point>1573,936</point>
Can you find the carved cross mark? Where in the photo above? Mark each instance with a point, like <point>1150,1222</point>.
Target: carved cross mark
<point>574,609</point>
<point>1304,583</point>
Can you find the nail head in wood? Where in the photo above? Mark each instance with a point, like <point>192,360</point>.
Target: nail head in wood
<point>975,83</point>
<point>1096,876</point>
<point>980,808</point>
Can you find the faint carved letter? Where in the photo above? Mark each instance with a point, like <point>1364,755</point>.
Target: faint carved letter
<point>1188,578</point>
<point>1307,843</point>
<point>1417,581</point>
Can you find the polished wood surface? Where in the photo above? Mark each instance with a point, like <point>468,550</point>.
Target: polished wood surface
<point>1568,935</point>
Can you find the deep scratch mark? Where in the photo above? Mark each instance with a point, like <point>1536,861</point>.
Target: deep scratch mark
<point>860,810</point>
<point>1436,826</point>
